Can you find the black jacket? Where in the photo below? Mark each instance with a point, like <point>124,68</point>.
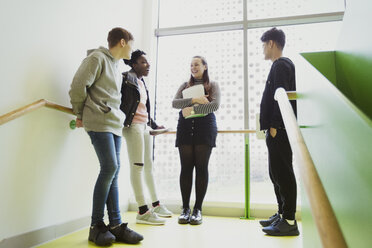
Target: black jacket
<point>130,98</point>
<point>282,74</point>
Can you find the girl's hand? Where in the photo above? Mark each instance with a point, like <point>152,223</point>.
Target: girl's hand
<point>186,111</point>
<point>200,100</point>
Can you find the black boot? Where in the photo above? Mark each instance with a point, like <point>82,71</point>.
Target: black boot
<point>196,217</point>
<point>185,216</point>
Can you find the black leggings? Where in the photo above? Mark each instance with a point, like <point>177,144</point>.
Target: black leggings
<point>194,156</point>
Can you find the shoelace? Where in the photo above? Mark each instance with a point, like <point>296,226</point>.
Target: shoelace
<point>275,222</point>
<point>185,211</point>
<point>273,216</point>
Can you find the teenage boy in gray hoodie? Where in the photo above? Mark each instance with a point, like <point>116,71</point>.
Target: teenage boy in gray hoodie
<point>95,98</point>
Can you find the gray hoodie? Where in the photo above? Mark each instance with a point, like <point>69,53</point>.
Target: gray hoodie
<point>95,93</point>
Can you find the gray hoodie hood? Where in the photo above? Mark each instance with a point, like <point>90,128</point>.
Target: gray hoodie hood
<point>103,50</point>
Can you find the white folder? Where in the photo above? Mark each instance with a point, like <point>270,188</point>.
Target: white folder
<point>191,92</point>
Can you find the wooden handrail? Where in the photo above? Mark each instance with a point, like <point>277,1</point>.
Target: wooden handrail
<point>31,107</point>
<point>292,95</point>
<point>58,107</point>
<point>329,230</point>
<point>44,103</point>
<point>224,131</point>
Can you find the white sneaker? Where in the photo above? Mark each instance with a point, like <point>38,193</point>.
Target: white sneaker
<point>162,211</point>
<point>149,218</point>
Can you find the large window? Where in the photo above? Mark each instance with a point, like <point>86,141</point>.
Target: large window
<point>224,53</point>
<point>227,33</point>
<point>263,9</point>
<point>192,12</point>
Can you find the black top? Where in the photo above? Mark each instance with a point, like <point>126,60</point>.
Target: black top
<point>282,74</point>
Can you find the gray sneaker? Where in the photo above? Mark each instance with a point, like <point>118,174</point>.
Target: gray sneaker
<point>162,211</point>
<point>149,218</point>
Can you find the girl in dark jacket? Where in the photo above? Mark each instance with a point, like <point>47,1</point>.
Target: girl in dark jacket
<point>135,104</point>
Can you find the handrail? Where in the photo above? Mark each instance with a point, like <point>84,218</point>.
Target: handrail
<point>31,107</point>
<point>292,95</point>
<point>329,230</point>
<point>225,131</point>
<point>45,103</point>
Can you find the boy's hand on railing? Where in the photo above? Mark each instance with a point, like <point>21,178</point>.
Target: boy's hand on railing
<point>79,123</point>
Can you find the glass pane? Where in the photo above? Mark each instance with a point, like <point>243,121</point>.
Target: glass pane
<point>224,53</point>
<point>299,38</point>
<point>262,9</point>
<point>173,13</point>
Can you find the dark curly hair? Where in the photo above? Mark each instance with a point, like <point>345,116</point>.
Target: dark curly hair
<point>276,35</point>
<point>133,58</point>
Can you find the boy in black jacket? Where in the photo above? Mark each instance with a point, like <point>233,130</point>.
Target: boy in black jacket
<point>282,74</point>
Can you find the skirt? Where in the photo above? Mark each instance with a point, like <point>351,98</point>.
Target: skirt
<point>197,131</point>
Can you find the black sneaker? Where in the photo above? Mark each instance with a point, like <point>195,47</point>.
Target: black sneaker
<point>184,218</point>
<point>196,217</point>
<point>100,234</point>
<point>282,228</point>
<point>270,220</point>
<point>124,234</point>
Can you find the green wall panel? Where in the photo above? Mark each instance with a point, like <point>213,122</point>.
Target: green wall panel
<point>324,62</point>
<point>350,73</point>
<point>339,138</point>
<point>354,55</point>
<point>354,79</point>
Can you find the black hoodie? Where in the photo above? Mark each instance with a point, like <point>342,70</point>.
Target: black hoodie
<point>282,74</point>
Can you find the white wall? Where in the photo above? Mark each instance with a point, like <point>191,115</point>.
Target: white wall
<point>47,171</point>
<point>149,45</point>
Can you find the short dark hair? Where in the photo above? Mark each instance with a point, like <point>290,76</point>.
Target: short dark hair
<point>116,34</point>
<point>133,58</point>
<point>276,35</point>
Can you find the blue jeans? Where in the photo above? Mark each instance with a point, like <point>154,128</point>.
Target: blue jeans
<point>107,146</point>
